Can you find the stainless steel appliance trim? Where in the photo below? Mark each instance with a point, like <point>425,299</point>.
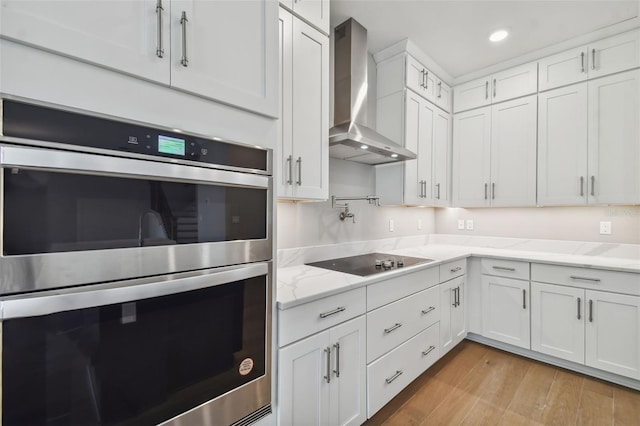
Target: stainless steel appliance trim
<point>183,23</point>
<point>44,303</point>
<point>159,44</point>
<point>36,158</point>
<point>223,410</point>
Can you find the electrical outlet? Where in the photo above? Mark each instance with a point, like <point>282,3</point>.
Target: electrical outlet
<point>460,223</point>
<point>605,228</point>
<point>391,227</point>
<point>419,224</point>
<point>469,225</point>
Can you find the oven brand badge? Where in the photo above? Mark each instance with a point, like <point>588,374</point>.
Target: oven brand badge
<point>245,366</point>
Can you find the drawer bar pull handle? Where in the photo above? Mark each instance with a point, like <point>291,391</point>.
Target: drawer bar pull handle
<point>456,269</point>
<point>327,350</point>
<point>335,311</point>
<point>504,268</point>
<point>428,351</point>
<point>395,376</point>
<point>394,327</point>
<point>426,311</point>
<point>576,277</point>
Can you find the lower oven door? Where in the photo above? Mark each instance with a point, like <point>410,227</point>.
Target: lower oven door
<point>190,349</point>
<point>70,218</point>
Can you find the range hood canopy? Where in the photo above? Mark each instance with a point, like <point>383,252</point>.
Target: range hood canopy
<point>350,138</point>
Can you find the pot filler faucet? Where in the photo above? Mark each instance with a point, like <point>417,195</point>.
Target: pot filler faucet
<point>371,199</point>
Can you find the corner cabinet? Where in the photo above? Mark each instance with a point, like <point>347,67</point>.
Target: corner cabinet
<point>302,158</point>
<point>183,44</point>
<point>494,155</point>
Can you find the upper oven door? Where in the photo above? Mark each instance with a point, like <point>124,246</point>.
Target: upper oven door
<point>73,218</point>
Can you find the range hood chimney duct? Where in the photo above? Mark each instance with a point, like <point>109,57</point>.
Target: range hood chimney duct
<point>350,138</point>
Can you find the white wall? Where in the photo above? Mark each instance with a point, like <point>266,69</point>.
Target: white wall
<point>560,223</point>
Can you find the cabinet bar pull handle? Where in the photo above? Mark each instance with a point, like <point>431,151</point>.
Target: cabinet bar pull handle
<point>394,327</point>
<point>579,301</point>
<point>327,350</point>
<point>395,376</point>
<point>299,161</point>
<point>422,74</point>
<point>458,296</point>
<point>582,186</point>
<point>426,79</point>
<point>486,186</point>
<point>426,311</point>
<point>495,83</point>
<point>337,370</point>
<point>486,89</point>
<point>438,189</point>
<point>524,299</point>
<point>577,277</point>
<point>159,44</point>
<point>290,162</point>
<point>183,22</point>
<point>593,59</point>
<point>439,89</point>
<point>456,269</point>
<point>428,351</point>
<point>593,186</point>
<point>504,268</point>
<point>335,311</point>
<point>590,310</point>
<point>581,61</point>
<point>453,290</point>
<point>493,191</point>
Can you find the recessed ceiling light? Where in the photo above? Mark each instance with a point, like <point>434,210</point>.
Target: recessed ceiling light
<point>498,35</point>
<point>364,146</point>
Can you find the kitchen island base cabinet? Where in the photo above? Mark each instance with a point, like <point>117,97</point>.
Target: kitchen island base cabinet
<point>390,374</point>
<point>453,318</point>
<point>321,379</point>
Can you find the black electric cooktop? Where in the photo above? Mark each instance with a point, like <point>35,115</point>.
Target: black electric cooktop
<point>369,264</point>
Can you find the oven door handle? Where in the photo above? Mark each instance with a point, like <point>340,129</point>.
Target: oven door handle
<point>92,164</point>
<point>49,302</point>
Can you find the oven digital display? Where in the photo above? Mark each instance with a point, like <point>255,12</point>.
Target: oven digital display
<point>170,145</point>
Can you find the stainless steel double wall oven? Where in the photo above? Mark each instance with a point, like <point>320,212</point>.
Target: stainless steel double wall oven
<point>135,275</point>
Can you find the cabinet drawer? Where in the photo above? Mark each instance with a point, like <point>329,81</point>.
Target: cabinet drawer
<point>506,268</point>
<point>453,269</point>
<point>391,325</point>
<point>309,318</point>
<point>387,291</point>
<point>593,279</point>
<point>394,371</point>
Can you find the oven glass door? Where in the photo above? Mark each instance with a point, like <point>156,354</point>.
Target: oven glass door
<point>138,362</point>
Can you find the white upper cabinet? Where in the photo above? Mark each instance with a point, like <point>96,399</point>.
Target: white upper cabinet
<point>441,187</point>
<point>182,43</point>
<point>130,36</point>
<point>509,84</point>
<point>315,12</point>
<point>600,58</point>
<point>443,96</point>
<point>302,158</point>
<point>420,80</point>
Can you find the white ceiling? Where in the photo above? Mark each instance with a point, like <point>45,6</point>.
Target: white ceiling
<point>454,33</point>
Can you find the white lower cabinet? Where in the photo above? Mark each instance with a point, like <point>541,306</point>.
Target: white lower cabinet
<point>453,317</point>
<point>387,376</point>
<point>321,379</point>
<point>505,310</point>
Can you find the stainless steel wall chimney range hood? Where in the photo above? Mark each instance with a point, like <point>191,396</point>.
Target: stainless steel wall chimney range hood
<point>350,138</point>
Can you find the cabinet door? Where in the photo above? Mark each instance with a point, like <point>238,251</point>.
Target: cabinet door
<point>557,321</point>
<point>562,69</point>
<point>310,112</point>
<point>505,310</point>
<point>413,188</point>
<point>459,313</point>
<point>453,319</point>
<point>127,36</point>
<point>614,54</point>
<point>514,82</point>
<point>284,154</point>
<point>419,79</point>
<point>562,146</point>
<point>613,333</point>
<point>513,152</point>
<point>315,12</point>
<point>348,384</point>
<point>471,95</point>
<point>230,49</point>
<point>471,158</point>
<point>614,139</point>
<point>443,96</point>
<point>441,158</point>
<point>303,381</point>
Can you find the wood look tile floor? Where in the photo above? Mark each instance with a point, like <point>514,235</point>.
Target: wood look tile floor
<point>479,385</point>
